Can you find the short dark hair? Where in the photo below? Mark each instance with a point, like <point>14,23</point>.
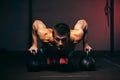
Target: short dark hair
<point>62,29</point>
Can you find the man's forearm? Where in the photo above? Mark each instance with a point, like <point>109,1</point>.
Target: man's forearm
<point>34,40</point>
<point>85,37</point>
<point>34,36</point>
<point>86,46</point>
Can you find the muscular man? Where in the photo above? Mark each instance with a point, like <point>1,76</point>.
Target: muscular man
<point>59,42</point>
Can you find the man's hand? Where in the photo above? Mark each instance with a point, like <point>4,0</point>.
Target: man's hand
<point>87,48</point>
<point>33,48</point>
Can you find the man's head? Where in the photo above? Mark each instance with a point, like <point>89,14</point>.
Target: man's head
<point>61,34</point>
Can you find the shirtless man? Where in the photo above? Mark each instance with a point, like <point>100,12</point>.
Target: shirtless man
<point>58,42</point>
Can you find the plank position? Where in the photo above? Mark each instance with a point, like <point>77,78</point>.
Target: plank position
<point>58,45</point>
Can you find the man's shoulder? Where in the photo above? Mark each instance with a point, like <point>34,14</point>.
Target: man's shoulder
<point>45,34</point>
<point>45,30</point>
<point>76,35</point>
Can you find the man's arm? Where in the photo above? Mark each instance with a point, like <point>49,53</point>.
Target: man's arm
<point>37,24</point>
<point>82,25</point>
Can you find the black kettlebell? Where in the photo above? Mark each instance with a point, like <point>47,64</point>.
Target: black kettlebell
<point>33,63</point>
<point>35,58</point>
<point>88,62</point>
<point>34,52</point>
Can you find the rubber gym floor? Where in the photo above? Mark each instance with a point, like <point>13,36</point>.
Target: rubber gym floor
<point>13,67</point>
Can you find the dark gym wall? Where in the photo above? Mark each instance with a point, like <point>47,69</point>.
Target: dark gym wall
<point>14,24</point>
<point>69,11</point>
<point>14,20</point>
<point>117,24</point>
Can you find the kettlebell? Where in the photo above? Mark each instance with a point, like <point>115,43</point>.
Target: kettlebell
<point>33,63</point>
<point>88,62</point>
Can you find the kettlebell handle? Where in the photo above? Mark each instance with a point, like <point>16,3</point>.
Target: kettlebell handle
<point>33,52</point>
<point>87,52</point>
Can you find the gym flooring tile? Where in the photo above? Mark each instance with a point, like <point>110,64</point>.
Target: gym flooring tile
<point>13,67</point>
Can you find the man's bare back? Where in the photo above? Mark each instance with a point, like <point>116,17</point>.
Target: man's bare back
<point>46,36</point>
